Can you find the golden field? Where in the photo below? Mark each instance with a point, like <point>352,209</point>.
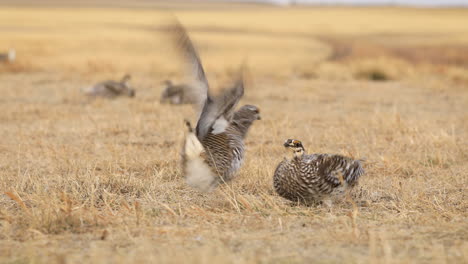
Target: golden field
<point>98,181</point>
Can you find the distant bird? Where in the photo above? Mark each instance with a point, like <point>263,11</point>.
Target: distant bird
<point>214,151</point>
<point>8,57</point>
<point>178,94</point>
<point>315,178</point>
<point>111,89</point>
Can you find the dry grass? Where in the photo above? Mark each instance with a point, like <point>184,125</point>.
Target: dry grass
<point>98,181</point>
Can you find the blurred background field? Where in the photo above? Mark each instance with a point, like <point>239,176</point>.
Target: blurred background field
<point>98,181</point>
<point>287,41</point>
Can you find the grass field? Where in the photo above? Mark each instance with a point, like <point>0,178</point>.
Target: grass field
<point>98,181</point>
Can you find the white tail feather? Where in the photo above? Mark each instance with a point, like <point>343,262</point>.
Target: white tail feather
<point>193,147</point>
<point>198,174</point>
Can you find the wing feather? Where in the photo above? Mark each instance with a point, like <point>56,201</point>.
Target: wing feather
<point>219,110</point>
<point>199,83</point>
<point>213,109</point>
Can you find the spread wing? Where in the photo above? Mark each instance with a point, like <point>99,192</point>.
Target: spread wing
<point>216,112</point>
<point>198,82</point>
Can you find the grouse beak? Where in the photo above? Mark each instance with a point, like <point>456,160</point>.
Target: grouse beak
<point>286,144</point>
<point>259,117</point>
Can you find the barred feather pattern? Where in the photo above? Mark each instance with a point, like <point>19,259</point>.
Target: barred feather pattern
<point>312,178</point>
<point>219,131</point>
<point>224,152</point>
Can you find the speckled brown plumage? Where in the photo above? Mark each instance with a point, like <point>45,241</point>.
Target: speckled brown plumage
<point>214,150</point>
<point>315,177</point>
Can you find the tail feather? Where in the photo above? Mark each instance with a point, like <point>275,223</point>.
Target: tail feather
<point>353,172</point>
<point>197,173</point>
<point>341,170</point>
<point>189,126</point>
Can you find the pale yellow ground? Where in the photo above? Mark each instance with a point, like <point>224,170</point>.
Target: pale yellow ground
<point>98,181</point>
